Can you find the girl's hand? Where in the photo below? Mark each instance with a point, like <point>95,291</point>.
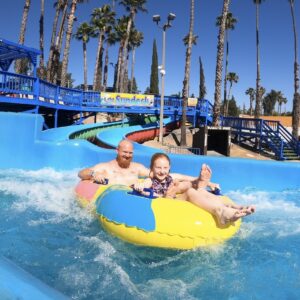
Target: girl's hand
<point>213,186</point>
<point>140,186</point>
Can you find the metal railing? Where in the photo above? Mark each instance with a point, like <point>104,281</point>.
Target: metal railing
<point>182,150</point>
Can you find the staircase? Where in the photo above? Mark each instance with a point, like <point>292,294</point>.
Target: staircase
<point>268,136</point>
<point>281,141</point>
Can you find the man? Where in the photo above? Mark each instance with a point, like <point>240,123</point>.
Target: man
<point>121,170</point>
<point>117,171</point>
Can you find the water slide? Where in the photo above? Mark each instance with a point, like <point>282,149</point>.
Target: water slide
<point>24,145</point>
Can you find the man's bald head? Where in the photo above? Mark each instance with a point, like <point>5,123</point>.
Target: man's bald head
<point>124,153</point>
<point>125,144</point>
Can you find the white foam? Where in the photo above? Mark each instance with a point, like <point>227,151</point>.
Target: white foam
<point>168,289</point>
<point>44,190</point>
<point>277,213</point>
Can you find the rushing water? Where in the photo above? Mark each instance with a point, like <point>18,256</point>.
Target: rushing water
<point>43,230</point>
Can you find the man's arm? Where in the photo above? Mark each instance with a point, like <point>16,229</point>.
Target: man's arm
<point>143,171</point>
<point>95,173</point>
<point>86,174</point>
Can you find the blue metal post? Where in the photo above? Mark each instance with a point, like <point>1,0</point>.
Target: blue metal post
<point>55,118</point>
<point>56,95</point>
<point>260,133</point>
<point>36,88</point>
<point>281,150</point>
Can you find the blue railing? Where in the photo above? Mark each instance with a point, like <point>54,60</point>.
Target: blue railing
<point>273,140</point>
<point>16,83</point>
<point>270,131</point>
<point>43,93</point>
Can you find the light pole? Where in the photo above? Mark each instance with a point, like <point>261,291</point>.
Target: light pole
<point>162,70</point>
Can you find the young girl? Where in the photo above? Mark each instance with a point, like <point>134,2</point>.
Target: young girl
<point>163,185</point>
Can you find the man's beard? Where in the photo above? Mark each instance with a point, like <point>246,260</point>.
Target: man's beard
<point>123,163</point>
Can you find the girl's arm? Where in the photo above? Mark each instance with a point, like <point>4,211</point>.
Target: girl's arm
<point>140,186</point>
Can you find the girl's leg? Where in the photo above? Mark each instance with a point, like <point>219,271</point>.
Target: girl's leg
<point>215,206</point>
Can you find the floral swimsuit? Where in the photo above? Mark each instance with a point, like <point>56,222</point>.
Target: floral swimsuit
<point>160,188</point>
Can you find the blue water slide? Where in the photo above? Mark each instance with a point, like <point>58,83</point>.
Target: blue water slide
<point>24,145</point>
<point>15,283</point>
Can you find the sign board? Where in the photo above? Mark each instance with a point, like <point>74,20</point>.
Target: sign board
<point>123,99</point>
<point>192,101</point>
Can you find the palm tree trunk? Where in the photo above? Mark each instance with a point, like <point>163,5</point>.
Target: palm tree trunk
<point>96,85</point>
<point>229,92</point>
<point>65,61</point>
<point>125,50</point>
<point>42,63</point>
<point>132,69</point>
<point>296,98</point>
<point>100,69</point>
<point>220,53</point>
<point>225,76</point>
<point>52,43</point>
<point>84,66</point>
<point>105,70</point>
<point>119,67</point>
<point>186,80</point>
<point>125,79</point>
<point>58,45</point>
<point>22,31</point>
<point>258,94</point>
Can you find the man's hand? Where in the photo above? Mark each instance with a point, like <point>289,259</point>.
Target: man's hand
<point>99,177</point>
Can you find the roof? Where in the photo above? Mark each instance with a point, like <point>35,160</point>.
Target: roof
<point>9,51</point>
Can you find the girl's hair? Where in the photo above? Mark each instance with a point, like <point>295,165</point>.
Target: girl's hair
<point>157,156</point>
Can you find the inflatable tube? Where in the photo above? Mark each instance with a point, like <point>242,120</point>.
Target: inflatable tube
<point>159,222</point>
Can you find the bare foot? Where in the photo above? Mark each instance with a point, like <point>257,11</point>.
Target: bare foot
<point>227,214</point>
<point>204,176</point>
<point>248,209</point>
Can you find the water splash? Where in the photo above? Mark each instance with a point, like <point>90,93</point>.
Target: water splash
<point>45,231</point>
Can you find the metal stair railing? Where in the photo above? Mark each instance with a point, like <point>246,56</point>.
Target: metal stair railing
<point>290,138</point>
<point>272,137</point>
<point>285,135</point>
<point>277,137</point>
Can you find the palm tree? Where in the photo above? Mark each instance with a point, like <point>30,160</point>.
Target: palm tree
<point>133,6</point>
<point>18,64</point>
<point>230,22</point>
<point>280,100</point>
<point>269,102</point>
<point>232,78</point>
<point>101,18</point>
<point>110,40</point>
<point>42,63</point>
<point>188,40</point>
<point>55,71</point>
<point>251,93</point>
<point>186,81</point>
<point>135,41</point>
<point>59,7</point>
<point>220,52</point>
<point>258,97</point>
<point>121,29</point>
<point>65,60</point>
<point>296,98</point>
<point>84,32</point>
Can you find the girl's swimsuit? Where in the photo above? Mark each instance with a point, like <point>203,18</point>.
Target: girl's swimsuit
<point>161,188</point>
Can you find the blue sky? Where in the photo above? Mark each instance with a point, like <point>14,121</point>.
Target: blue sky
<point>276,42</point>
